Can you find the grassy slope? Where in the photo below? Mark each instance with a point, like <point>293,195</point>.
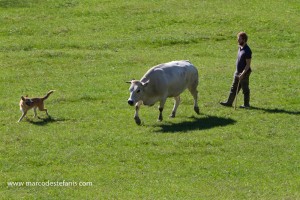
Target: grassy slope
<point>87,50</point>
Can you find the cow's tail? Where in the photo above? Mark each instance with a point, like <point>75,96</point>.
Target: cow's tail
<point>48,94</point>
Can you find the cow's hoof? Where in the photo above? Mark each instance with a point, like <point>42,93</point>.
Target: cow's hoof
<point>172,115</point>
<point>197,110</point>
<point>137,120</point>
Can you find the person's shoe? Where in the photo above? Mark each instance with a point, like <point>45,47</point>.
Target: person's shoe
<point>245,106</point>
<point>226,104</point>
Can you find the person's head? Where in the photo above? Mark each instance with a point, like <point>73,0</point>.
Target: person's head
<point>242,38</point>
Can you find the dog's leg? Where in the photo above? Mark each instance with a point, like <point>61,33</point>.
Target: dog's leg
<point>41,108</point>
<point>34,110</point>
<point>23,115</point>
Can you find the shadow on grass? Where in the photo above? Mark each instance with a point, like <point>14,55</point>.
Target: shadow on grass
<point>206,122</point>
<point>277,111</point>
<point>13,3</point>
<point>44,121</point>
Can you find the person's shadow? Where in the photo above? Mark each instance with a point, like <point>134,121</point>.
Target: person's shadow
<point>276,110</point>
<point>206,122</point>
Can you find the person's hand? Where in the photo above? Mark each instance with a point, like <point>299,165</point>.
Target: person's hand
<point>241,76</point>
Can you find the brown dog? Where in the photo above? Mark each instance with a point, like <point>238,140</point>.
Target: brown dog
<point>27,103</point>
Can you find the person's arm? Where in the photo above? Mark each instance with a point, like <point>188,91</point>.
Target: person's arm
<point>248,62</point>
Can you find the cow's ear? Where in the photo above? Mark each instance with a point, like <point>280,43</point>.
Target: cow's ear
<point>146,83</point>
<point>130,81</point>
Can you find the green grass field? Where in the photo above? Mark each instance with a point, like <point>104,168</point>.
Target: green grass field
<point>91,147</point>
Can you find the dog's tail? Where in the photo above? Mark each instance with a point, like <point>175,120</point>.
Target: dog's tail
<point>48,94</point>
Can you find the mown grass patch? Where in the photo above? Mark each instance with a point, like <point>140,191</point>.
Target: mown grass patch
<point>86,50</point>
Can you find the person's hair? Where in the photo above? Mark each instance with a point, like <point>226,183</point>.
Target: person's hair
<point>243,35</point>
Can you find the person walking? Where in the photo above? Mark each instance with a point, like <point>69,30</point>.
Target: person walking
<point>242,73</point>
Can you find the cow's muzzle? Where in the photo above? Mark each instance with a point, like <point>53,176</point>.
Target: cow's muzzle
<point>130,102</point>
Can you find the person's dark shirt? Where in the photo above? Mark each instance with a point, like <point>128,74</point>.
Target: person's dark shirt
<point>243,54</point>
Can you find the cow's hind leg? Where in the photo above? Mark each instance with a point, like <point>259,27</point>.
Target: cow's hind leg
<point>176,104</point>
<point>194,92</point>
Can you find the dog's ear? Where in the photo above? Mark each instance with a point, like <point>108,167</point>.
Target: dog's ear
<point>23,98</point>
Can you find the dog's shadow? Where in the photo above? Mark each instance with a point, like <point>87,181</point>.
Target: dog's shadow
<point>206,122</point>
<point>45,121</point>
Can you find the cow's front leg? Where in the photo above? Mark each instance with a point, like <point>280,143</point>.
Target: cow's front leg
<point>136,114</point>
<point>176,104</point>
<point>161,108</point>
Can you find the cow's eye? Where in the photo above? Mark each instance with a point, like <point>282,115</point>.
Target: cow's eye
<point>138,91</point>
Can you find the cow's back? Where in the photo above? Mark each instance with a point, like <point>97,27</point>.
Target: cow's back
<point>172,78</point>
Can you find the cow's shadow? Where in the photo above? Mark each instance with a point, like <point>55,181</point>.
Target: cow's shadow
<point>201,123</point>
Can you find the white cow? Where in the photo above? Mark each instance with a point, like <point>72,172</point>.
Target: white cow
<point>163,81</point>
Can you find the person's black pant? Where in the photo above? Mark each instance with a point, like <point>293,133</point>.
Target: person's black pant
<point>244,85</point>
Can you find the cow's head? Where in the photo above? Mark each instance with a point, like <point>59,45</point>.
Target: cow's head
<point>137,89</point>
